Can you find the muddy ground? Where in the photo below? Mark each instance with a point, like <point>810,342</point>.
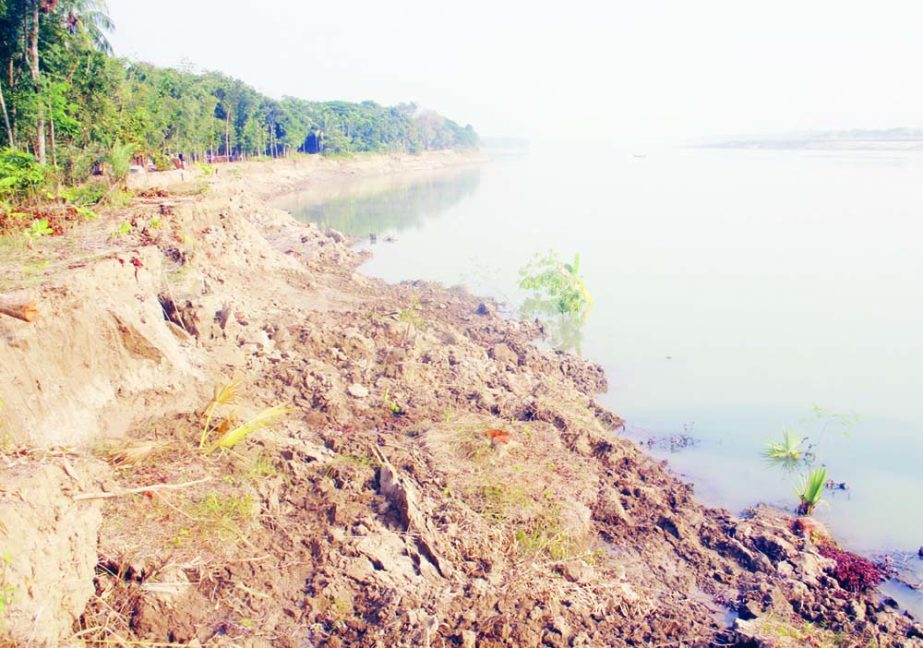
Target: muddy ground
<point>435,479</point>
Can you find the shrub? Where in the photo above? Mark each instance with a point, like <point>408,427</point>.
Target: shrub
<point>20,175</point>
<point>119,159</point>
<point>85,195</point>
<point>39,228</point>
<point>162,162</point>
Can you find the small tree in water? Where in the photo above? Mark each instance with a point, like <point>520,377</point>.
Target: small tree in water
<point>558,297</point>
<point>552,280</point>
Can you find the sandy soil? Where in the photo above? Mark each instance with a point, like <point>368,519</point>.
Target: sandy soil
<point>437,479</point>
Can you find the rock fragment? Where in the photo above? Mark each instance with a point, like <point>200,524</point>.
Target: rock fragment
<point>357,391</point>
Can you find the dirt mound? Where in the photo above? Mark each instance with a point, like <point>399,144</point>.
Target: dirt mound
<point>47,544</point>
<point>438,480</point>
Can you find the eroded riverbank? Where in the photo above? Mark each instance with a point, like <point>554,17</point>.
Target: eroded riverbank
<point>438,480</point>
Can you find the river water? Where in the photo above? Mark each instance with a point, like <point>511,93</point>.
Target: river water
<point>737,294</point>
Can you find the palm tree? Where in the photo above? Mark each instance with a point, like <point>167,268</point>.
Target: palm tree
<point>90,20</point>
<point>87,19</point>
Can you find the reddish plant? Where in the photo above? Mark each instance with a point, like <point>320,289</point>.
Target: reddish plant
<point>854,573</point>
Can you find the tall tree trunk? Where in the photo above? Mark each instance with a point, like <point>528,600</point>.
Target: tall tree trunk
<point>6,118</point>
<point>54,157</point>
<point>227,135</point>
<point>37,82</point>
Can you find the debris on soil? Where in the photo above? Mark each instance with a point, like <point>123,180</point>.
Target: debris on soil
<point>27,312</point>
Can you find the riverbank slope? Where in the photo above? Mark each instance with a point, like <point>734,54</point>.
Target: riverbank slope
<point>436,479</point>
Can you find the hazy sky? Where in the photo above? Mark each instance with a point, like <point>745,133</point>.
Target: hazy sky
<point>645,70</point>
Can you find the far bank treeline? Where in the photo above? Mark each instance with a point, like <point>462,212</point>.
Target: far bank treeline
<point>68,101</point>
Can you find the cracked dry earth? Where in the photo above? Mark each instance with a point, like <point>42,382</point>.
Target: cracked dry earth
<point>439,479</point>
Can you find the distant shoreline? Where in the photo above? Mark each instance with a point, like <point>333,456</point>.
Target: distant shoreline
<point>898,139</point>
<point>283,176</point>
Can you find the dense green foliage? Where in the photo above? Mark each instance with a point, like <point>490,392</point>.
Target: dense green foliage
<point>553,280</point>
<point>20,176</point>
<point>67,101</point>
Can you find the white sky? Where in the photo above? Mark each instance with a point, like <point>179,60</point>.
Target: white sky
<point>644,70</point>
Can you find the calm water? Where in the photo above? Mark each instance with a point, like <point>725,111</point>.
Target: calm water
<point>734,292</point>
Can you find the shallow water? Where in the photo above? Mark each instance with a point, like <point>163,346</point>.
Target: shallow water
<point>734,291</point>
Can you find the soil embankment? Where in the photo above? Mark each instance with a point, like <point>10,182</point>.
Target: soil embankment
<point>437,480</point>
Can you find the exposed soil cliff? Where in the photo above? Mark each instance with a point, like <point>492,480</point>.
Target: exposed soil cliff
<point>438,480</point>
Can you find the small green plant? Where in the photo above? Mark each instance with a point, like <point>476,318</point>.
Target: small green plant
<point>86,212</point>
<point>543,534</point>
<point>216,517</point>
<point>38,229</point>
<point>207,169</point>
<point>124,229</point>
<point>260,467</point>
<point>180,538</point>
<point>810,490</point>
<point>391,405</point>
<point>225,509</point>
<point>499,502</point>
<point>551,280</point>
<point>411,314</point>
<point>828,420</point>
<point>788,453</point>
<point>155,224</point>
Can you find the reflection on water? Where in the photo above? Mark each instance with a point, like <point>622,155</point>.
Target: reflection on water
<point>385,204</point>
<point>564,331</point>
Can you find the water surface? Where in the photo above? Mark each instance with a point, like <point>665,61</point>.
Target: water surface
<point>735,291</point>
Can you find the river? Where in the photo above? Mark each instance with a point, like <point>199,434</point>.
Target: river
<point>737,294</point>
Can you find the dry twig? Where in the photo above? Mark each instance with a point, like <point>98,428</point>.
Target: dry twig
<point>141,489</point>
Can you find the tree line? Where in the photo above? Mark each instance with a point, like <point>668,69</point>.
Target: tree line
<point>68,101</point>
